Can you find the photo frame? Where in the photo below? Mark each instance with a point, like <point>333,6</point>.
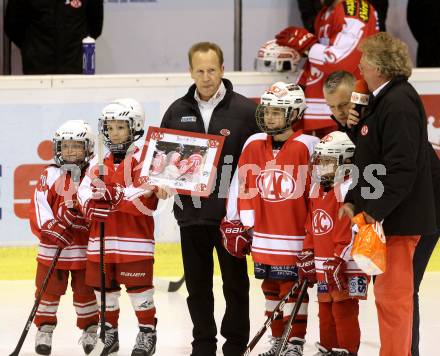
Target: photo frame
<point>185,161</point>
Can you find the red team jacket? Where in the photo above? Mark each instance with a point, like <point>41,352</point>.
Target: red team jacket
<point>129,230</point>
<point>269,192</point>
<point>54,188</point>
<point>325,233</point>
<point>339,30</point>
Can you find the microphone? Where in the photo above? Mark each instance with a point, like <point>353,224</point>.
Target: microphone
<point>360,96</point>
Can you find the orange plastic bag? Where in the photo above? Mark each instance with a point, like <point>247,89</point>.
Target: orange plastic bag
<point>369,246</point>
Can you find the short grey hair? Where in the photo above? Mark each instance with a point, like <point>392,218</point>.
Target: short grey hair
<point>335,79</point>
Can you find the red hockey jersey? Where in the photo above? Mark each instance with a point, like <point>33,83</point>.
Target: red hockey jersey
<point>129,230</point>
<point>269,192</point>
<point>325,233</point>
<point>339,30</point>
<point>53,190</point>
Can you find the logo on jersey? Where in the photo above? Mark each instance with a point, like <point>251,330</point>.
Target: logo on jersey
<point>42,183</point>
<point>315,76</point>
<point>322,223</point>
<point>364,130</point>
<point>275,185</point>
<point>329,56</point>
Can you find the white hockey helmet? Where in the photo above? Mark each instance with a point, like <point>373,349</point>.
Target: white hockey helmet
<point>275,58</point>
<point>333,151</point>
<point>289,97</point>
<point>126,109</point>
<point>76,130</point>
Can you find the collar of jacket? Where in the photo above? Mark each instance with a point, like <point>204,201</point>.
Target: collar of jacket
<point>189,96</point>
<point>375,99</point>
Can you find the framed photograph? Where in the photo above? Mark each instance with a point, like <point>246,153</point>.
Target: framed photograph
<point>185,161</point>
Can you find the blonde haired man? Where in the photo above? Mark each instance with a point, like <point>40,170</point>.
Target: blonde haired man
<point>392,147</point>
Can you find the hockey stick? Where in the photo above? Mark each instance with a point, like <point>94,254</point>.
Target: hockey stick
<point>174,286</point>
<point>291,321</point>
<point>37,303</point>
<point>278,309</point>
<point>101,340</point>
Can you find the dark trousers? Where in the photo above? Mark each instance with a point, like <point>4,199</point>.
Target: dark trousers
<point>198,243</point>
<point>421,258</point>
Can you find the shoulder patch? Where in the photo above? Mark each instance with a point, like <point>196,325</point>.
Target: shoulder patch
<point>350,7</point>
<point>364,10</point>
<point>357,8</point>
<point>42,182</point>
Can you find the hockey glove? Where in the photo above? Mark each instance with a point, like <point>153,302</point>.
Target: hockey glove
<point>334,271</point>
<point>73,219</point>
<point>306,266</point>
<point>97,210</point>
<point>297,38</point>
<point>56,233</point>
<point>236,238</point>
<point>108,193</point>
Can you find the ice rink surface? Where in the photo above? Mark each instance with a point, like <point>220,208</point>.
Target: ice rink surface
<point>174,326</point>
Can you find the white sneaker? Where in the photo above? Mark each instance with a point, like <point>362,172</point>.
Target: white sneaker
<point>43,339</point>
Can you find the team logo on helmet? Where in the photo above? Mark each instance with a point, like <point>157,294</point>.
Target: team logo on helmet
<point>322,223</point>
<point>327,138</point>
<point>275,185</point>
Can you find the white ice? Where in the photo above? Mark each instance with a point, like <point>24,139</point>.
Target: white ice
<point>174,326</point>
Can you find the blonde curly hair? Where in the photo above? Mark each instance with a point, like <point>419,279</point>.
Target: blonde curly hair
<point>388,54</point>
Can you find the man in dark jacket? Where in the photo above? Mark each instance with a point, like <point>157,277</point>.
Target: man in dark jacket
<point>211,106</point>
<point>49,33</point>
<point>395,184</point>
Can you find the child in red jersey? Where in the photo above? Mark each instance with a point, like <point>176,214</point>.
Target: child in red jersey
<point>273,201</point>
<point>325,258</point>
<point>129,226</point>
<point>55,219</point>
